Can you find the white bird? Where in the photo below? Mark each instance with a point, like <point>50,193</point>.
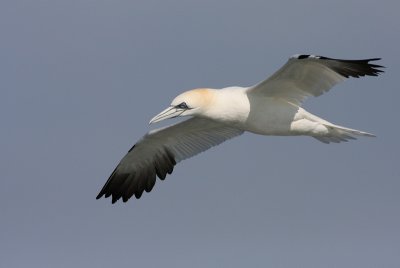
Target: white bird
<point>272,107</point>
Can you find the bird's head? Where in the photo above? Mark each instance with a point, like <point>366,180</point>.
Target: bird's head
<point>192,102</point>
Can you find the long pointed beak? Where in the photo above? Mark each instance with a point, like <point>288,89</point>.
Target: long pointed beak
<point>170,112</point>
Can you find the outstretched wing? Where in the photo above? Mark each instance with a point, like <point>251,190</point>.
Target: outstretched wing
<point>157,153</point>
<point>309,75</point>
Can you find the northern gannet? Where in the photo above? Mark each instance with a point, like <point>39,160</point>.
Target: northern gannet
<point>272,107</point>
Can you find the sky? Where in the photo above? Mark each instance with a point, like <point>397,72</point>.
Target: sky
<point>80,81</point>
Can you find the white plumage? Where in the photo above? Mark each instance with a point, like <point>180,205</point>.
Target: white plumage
<point>271,107</point>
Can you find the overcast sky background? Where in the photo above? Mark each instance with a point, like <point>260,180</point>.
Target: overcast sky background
<point>81,79</point>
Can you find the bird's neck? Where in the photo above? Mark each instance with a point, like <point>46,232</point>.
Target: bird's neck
<point>229,105</point>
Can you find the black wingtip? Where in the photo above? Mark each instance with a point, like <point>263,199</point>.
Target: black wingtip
<point>356,68</point>
<point>374,59</point>
<point>101,193</point>
<point>134,182</point>
<point>363,61</point>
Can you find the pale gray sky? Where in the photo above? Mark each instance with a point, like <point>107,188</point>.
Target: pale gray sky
<point>81,79</point>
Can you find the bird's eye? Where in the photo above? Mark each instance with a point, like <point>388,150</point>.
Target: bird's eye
<point>183,105</point>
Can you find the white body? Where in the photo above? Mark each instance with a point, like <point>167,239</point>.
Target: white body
<point>249,111</point>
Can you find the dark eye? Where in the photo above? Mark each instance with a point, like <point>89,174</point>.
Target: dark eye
<point>183,105</point>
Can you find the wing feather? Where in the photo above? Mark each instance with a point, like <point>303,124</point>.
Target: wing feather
<point>159,151</point>
<point>309,75</point>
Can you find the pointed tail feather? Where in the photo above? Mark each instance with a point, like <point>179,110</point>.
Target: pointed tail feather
<point>338,134</point>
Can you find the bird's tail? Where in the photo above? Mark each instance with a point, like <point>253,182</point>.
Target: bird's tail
<point>338,134</point>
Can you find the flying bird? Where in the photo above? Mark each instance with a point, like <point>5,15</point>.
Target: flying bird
<point>272,107</point>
